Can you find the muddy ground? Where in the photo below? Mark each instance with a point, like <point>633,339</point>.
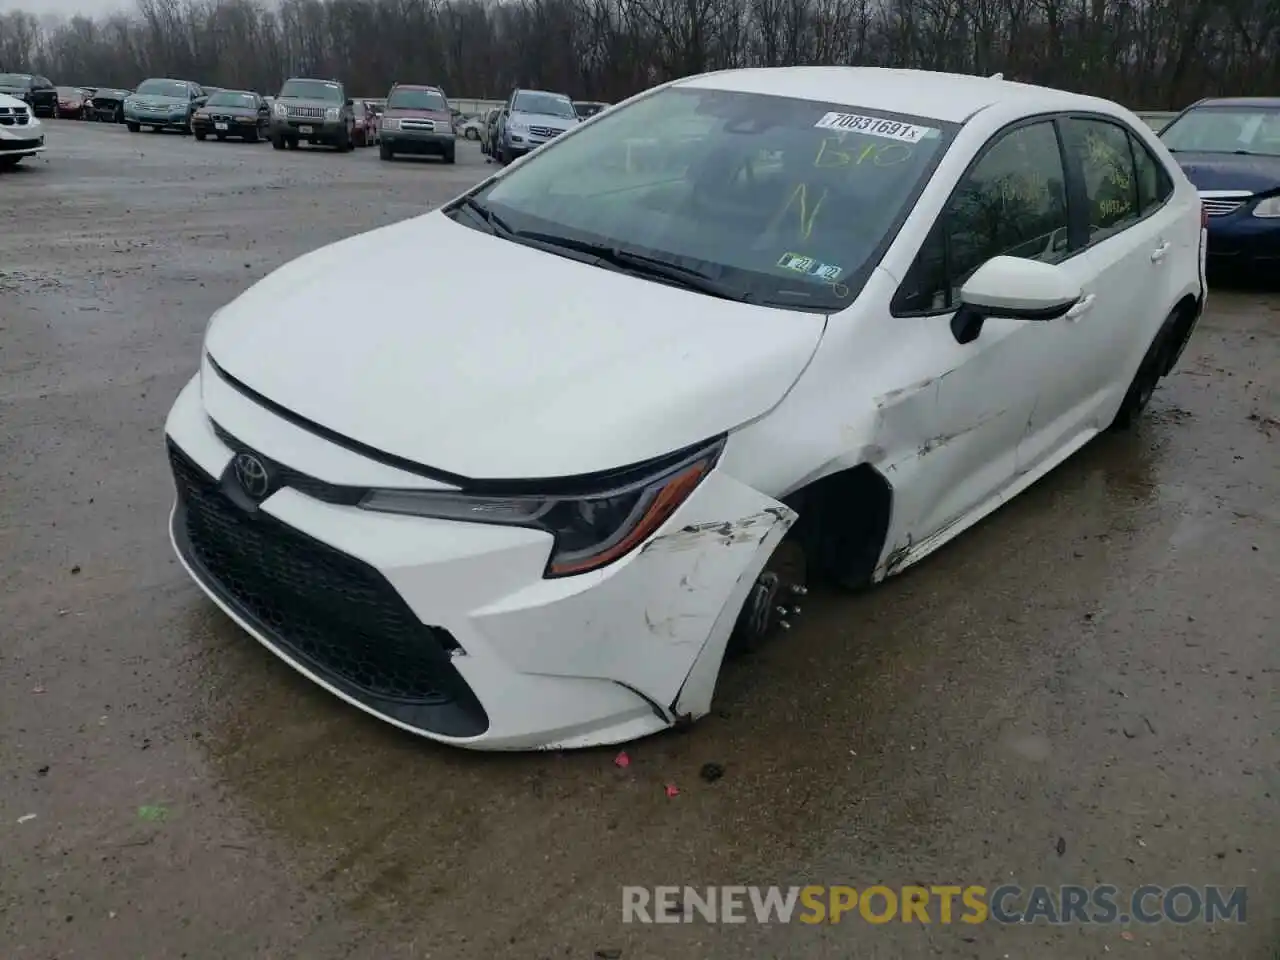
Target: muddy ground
<point>1096,664</point>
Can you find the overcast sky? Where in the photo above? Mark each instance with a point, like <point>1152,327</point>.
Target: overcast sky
<point>66,7</point>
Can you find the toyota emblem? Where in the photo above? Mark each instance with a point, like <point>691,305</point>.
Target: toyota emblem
<point>252,475</point>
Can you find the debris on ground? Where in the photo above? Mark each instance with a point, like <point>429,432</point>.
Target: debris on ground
<point>711,772</point>
<point>153,813</point>
<point>608,953</point>
<point>26,817</point>
<point>622,760</point>
<point>673,790</point>
<point>1061,847</point>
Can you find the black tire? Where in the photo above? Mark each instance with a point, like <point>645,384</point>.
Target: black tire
<point>450,155</point>
<point>8,163</point>
<point>385,152</point>
<point>293,143</point>
<point>134,127</point>
<point>219,136</point>
<point>1143,385</point>
<point>119,115</point>
<point>471,134</point>
<point>277,143</point>
<point>200,135</point>
<point>155,130</point>
<point>503,157</point>
<point>251,136</point>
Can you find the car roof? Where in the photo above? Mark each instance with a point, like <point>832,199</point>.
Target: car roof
<point>552,93</point>
<point>1272,103</point>
<point>950,97</point>
<point>416,86</point>
<point>229,90</point>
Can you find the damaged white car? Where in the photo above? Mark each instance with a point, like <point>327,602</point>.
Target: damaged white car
<point>21,132</point>
<point>848,311</point>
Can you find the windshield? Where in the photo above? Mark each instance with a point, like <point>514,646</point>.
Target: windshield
<point>14,80</point>
<point>550,104</point>
<point>786,200</point>
<point>311,90</point>
<point>163,88</point>
<point>70,92</point>
<point>247,100</point>
<point>588,109</point>
<point>417,100</point>
<point>1225,130</point>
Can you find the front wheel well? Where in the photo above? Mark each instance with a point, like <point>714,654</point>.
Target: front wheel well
<point>842,525</point>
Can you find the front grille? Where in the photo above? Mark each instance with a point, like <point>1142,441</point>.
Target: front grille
<point>333,613</point>
<point>14,117</point>
<point>1220,208</point>
<point>545,132</point>
<point>306,113</point>
<point>428,125</point>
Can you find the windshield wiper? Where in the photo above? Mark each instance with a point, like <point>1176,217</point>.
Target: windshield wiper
<point>641,265</point>
<point>495,222</point>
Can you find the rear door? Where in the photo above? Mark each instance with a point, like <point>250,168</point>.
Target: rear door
<point>1122,272</point>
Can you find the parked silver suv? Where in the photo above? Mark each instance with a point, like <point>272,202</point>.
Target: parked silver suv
<point>530,119</point>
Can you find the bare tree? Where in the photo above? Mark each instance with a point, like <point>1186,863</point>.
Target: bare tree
<point>1149,53</point>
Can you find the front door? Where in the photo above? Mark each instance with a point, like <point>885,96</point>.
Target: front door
<point>1012,201</point>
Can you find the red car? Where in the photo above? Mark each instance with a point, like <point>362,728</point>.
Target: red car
<point>72,104</point>
<point>365,131</point>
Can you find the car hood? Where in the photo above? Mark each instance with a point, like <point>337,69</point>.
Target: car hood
<point>10,101</point>
<point>567,369</point>
<point>230,111</point>
<point>545,120</point>
<point>1229,171</point>
<point>13,91</point>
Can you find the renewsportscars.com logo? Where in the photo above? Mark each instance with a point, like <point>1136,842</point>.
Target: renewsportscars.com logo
<point>972,904</point>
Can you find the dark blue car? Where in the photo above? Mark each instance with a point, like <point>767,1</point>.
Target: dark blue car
<point>1230,149</point>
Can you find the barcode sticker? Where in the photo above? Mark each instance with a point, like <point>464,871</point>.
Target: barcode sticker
<point>875,127</point>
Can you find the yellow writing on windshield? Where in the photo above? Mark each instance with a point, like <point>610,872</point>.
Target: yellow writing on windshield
<point>799,198</point>
<point>831,153</point>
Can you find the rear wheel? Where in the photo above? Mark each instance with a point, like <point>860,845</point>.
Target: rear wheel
<point>471,134</point>
<point>384,151</point>
<point>277,143</point>
<point>1143,385</point>
<point>200,135</point>
<point>251,136</point>
<point>133,127</point>
<point>8,163</point>
<point>450,155</point>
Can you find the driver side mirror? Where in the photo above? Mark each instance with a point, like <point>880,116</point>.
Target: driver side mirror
<point>1015,288</point>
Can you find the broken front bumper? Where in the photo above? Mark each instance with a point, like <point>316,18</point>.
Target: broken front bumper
<point>448,629</point>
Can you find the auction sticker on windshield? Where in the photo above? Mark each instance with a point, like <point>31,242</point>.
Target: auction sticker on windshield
<point>875,127</point>
<point>799,263</point>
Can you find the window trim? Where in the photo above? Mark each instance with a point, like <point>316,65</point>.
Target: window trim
<point>895,310</point>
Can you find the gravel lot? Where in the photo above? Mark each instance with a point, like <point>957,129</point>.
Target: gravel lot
<point>1098,662</point>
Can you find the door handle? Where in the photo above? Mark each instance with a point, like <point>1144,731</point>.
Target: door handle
<point>1083,306</point>
<point>1158,253</point>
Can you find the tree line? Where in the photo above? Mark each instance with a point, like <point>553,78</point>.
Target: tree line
<point>1149,54</point>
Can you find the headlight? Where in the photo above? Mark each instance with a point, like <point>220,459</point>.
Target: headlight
<point>389,123</point>
<point>1269,207</point>
<point>280,110</point>
<point>591,530</point>
<point>331,114</point>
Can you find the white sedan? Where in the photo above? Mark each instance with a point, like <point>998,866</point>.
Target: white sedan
<point>843,311</point>
<point>21,132</point>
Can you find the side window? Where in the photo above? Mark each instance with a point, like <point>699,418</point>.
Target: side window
<point>1111,191</point>
<point>1013,201</point>
<point>1154,184</point>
